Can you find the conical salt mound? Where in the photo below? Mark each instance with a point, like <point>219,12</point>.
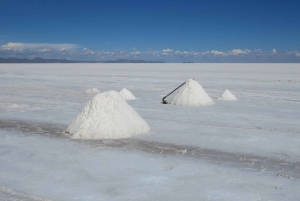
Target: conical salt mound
<point>91,91</point>
<point>191,94</point>
<point>107,116</point>
<point>227,95</point>
<point>127,95</point>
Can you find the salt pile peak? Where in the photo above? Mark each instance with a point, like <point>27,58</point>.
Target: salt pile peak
<point>126,94</point>
<point>191,94</point>
<point>107,116</point>
<point>91,91</point>
<point>227,95</point>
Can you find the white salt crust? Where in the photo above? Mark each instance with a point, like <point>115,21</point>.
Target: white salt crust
<point>107,116</point>
<point>191,94</point>
<point>91,91</point>
<point>227,95</point>
<point>127,95</point>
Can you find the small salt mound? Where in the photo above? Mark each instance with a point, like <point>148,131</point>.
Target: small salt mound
<point>127,95</point>
<point>227,95</point>
<point>191,94</point>
<point>91,91</point>
<point>107,116</point>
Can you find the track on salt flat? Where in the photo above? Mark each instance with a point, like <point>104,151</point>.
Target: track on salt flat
<point>289,170</point>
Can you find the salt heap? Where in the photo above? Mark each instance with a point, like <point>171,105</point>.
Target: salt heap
<point>227,95</point>
<point>191,94</point>
<point>127,95</point>
<point>107,116</point>
<point>91,91</point>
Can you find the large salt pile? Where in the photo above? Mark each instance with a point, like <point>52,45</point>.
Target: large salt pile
<point>227,95</point>
<point>107,116</point>
<point>191,94</point>
<point>91,91</point>
<point>127,95</point>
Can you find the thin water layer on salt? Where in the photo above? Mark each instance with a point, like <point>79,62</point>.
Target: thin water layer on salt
<point>251,162</point>
<point>59,169</point>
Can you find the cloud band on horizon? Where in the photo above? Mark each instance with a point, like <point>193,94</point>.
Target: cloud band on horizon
<point>75,52</point>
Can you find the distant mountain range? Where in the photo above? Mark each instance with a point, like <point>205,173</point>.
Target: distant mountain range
<point>41,60</point>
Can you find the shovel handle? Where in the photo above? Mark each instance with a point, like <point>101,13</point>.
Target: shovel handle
<point>166,102</point>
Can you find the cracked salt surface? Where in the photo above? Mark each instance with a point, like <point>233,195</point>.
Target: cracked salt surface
<point>241,150</point>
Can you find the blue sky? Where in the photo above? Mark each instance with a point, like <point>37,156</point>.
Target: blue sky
<point>172,31</point>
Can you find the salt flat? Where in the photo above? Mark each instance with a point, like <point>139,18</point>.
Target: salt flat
<point>242,150</point>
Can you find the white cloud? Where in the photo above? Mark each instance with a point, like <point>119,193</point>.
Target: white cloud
<point>135,53</point>
<point>239,51</point>
<point>46,50</point>
<point>167,50</point>
<point>87,51</point>
<point>195,53</point>
<point>217,52</point>
<point>38,46</point>
<point>181,52</point>
<point>214,52</point>
<point>258,50</point>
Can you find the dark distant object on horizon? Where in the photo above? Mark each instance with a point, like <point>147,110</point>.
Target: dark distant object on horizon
<point>34,60</point>
<point>41,60</point>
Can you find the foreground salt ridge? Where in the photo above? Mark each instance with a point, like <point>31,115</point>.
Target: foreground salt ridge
<point>107,116</point>
<point>91,91</point>
<point>16,196</point>
<point>126,94</point>
<point>191,94</point>
<point>227,95</point>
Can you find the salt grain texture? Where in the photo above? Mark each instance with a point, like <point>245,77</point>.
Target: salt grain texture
<point>227,95</point>
<point>191,94</point>
<point>91,91</point>
<point>107,116</point>
<point>127,95</point>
